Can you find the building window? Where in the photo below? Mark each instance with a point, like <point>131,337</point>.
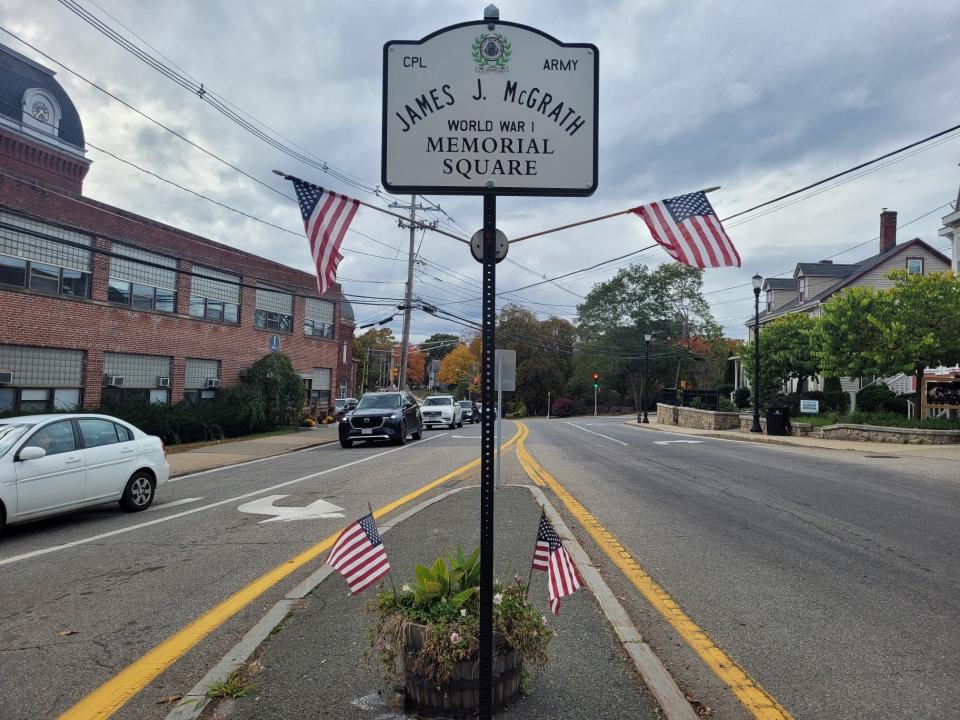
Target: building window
<point>318,319</point>
<point>139,285</point>
<point>140,376</point>
<point>320,386</point>
<point>803,289</point>
<point>31,256</point>
<point>215,296</point>
<point>274,311</point>
<point>915,266</point>
<point>197,379</point>
<point>44,379</point>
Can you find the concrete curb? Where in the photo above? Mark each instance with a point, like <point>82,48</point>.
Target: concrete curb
<point>661,684</point>
<point>663,687</point>
<point>763,440</point>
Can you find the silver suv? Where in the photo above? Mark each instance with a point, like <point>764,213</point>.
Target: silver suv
<point>441,410</point>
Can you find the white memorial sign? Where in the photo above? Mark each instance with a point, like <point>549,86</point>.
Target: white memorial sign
<point>489,106</point>
<point>810,406</point>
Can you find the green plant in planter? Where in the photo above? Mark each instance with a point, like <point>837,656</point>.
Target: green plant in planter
<point>430,628</point>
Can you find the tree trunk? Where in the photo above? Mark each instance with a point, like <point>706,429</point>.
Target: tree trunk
<point>919,392</point>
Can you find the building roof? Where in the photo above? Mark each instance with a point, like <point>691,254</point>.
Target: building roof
<point>19,74</point>
<point>780,283</point>
<point>822,269</point>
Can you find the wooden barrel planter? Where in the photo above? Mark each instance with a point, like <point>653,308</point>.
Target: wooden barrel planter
<point>461,694</point>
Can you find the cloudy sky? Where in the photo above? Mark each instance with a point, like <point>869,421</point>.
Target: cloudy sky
<point>752,96</point>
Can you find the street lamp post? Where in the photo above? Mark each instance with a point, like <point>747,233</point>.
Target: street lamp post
<point>757,284</point>
<point>647,337</point>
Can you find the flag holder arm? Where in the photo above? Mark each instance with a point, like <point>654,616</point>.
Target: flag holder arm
<point>406,219</point>
<point>585,222</point>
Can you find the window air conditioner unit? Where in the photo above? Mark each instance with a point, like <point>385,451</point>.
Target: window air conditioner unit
<point>213,382</point>
<point>6,377</point>
<point>113,380</point>
<point>163,382</point>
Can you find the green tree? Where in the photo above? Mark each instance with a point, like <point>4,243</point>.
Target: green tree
<point>667,302</point>
<point>439,344</point>
<point>849,334</point>
<point>787,352</point>
<point>280,387</point>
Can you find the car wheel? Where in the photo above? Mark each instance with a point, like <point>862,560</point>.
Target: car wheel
<point>139,492</point>
<point>344,443</point>
<point>3,518</point>
<point>418,434</point>
<point>460,424</point>
<point>402,437</point>
<point>453,425</point>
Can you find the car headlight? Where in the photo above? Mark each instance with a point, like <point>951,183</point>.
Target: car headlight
<point>394,416</point>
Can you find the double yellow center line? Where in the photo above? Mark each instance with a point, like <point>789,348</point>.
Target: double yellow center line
<point>747,690</point>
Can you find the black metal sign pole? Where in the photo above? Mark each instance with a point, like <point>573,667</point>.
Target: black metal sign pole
<point>486,454</point>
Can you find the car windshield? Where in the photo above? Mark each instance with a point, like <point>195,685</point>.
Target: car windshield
<point>389,402</point>
<point>465,403</point>
<point>9,434</point>
<point>438,401</point>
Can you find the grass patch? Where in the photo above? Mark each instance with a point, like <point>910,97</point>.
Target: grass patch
<point>882,419</point>
<point>184,447</point>
<point>233,687</point>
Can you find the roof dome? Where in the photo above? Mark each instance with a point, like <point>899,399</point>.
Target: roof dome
<point>33,99</point>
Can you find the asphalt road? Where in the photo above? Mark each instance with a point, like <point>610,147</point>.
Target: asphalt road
<point>830,577</point>
<point>73,615</point>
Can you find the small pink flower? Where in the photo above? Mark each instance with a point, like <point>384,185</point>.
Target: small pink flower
<point>454,638</point>
<point>498,598</point>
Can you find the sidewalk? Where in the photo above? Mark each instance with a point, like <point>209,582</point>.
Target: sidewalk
<point>312,665</point>
<point>942,452</point>
<point>231,452</point>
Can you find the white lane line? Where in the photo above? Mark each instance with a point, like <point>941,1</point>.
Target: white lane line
<point>166,518</point>
<point>670,442</point>
<point>173,503</point>
<point>607,437</point>
<point>466,437</point>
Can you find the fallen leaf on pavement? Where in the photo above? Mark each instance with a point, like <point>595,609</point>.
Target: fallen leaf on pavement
<point>64,633</point>
<point>168,699</point>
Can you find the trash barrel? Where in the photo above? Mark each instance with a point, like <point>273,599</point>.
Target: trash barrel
<point>778,421</point>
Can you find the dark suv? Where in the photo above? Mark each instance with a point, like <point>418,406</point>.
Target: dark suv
<point>471,413</point>
<point>382,416</point>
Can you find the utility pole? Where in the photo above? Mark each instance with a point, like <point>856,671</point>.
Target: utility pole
<point>408,297</point>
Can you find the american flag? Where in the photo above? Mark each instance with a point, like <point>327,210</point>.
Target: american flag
<point>359,556</point>
<point>326,217</point>
<point>550,556</point>
<point>688,228</point>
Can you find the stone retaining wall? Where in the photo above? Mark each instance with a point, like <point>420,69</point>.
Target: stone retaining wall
<point>696,418</point>
<point>864,433</point>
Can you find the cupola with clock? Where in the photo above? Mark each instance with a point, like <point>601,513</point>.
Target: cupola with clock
<point>41,137</point>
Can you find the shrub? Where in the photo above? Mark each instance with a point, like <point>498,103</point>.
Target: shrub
<point>741,397</point>
<point>873,397</point>
<point>518,409</point>
<point>562,407</point>
<point>832,384</point>
<point>726,405</point>
<point>280,387</point>
<point>725,391</point>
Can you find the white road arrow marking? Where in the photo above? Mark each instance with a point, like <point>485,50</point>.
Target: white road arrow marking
<point>667,442</point>
<point>318,510</point>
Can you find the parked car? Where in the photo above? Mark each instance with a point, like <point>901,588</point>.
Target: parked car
<point>382,416</point>
<point>341,406</point>
<point>471,412</point>
<point>52,464</point>
<point>442,410</point>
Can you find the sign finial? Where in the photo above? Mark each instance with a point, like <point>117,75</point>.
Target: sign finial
<point>491,12</point>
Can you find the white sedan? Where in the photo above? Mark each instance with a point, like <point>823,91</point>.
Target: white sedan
<point>51,464</point>
<point>441,410</point>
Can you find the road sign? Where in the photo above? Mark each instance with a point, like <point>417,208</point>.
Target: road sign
<point>810,406</point>
<point>317,510</point>
<point>490,106</point>
<point>506,373</point>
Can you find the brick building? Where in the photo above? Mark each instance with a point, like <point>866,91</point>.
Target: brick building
<point>97,302</point>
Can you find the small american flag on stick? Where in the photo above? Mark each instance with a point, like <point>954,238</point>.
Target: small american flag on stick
<point>326,217</point>
<point>359,555</point>
<point>551,557</point>
<point>690,231</point>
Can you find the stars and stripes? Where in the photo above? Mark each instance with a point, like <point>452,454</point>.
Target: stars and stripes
<point>551,557</point>
<point>326,217</point>
<point>690,231</point>
<point>359,555</point>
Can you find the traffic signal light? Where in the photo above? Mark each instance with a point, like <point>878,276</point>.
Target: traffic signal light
<point>596,380</point>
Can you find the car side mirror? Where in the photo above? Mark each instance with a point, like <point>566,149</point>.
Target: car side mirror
<point>31,453</point>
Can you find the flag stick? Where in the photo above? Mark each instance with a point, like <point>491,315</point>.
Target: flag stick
<point>385,212</point>
<point>585,222</point>
<point>390,571</point>
<point>530,575</point>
